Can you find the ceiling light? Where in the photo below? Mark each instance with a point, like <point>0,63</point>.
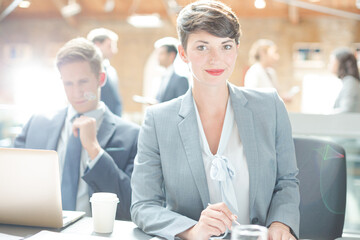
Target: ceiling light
<point>145,21</point>
<point>260,4</point>
<point>109,5</point>
<point>314,1</point>
<point>71,9</point>
<point>24,4</point>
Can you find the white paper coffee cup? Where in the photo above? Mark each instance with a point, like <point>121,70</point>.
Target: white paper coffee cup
<point>103,211</point>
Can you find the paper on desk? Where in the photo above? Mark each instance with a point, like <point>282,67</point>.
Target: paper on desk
<point>9,237</point>
<point>46,235</point>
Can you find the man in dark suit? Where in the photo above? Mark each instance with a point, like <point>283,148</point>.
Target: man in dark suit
<point>106,40</point>
<point>104,158</point>
<point>172,85</point>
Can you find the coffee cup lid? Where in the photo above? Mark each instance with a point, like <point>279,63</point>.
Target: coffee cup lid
<point>104,196</point>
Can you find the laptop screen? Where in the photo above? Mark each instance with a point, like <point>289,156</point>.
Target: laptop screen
<point>30,188</point>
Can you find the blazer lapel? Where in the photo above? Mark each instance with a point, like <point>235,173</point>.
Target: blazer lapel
<point>190,137</point>
<point>55,128</point>
<point>106,129</point>
<point>245,124</point>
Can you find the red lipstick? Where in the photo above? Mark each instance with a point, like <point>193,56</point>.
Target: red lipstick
<point>215,72</point>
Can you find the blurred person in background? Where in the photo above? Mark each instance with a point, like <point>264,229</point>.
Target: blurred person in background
<point>172,85</point>
<point>106,40</point>
<point>343,64</point>
<point>263,57</point>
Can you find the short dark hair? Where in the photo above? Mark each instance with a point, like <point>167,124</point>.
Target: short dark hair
<point>213,17</point>
<point>171,49</point>
<point>101,34</point>
<point>80,49</point>
<point>347,63</point>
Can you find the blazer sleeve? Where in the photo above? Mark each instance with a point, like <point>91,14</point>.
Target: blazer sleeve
<point>285,202</point>
<point>107,176</point>
<point>148,209</point>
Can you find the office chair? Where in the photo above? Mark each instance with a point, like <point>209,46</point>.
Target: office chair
<point>322,175</point>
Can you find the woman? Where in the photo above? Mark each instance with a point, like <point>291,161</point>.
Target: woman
<point>344,65</point>
<point>263,56</point>
<point>218,153</point>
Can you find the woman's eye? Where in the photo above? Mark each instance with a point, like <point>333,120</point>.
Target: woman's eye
<point>227,47</point>
<point>201,48</point>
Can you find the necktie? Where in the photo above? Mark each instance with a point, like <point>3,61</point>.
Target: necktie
<point>222,171</point>
<point>70,176</point>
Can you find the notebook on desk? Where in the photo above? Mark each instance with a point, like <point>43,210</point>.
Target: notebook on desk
<point>30,192</point>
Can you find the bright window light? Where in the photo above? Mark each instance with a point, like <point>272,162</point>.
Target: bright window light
<point>37,88</point>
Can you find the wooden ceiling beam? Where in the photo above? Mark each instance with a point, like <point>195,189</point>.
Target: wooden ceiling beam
<point>294,16</point>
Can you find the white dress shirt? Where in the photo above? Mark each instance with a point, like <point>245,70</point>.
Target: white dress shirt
<point>231,147</point>
<point>259,77</point>
<point>82,201</point>
<point>165,79</point>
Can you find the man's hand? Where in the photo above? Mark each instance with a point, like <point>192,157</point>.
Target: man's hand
<point>279,231</point>
<point>86,127</point>
<point>213,221</point>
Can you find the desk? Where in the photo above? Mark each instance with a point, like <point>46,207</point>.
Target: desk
<point>122,230</point>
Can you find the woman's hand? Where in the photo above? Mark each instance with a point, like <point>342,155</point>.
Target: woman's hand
<point>213,222</point>
<point>279,231</point>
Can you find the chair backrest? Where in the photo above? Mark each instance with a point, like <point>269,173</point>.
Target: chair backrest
<point>322,175</point>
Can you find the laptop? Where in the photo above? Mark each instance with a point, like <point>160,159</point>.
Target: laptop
<point>30,191</point>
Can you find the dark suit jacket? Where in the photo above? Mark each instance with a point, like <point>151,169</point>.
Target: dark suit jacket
<point>176,87</point>
<point>109,92</point>
<point>113,170</point>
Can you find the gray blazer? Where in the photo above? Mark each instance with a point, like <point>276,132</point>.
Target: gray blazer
<point>177,86</point>
<point>113,170</point>
<point>169,182</point>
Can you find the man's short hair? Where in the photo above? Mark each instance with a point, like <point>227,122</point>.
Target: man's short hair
<point>80,49</point>
<point>101,34</point>
<point>169,43</point>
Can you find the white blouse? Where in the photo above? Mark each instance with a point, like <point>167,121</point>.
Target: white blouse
<point>231,149</point>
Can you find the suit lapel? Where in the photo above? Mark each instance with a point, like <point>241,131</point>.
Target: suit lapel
<point>245,123</point>
<point>190,137</point>
<point>106,129</point>
<point>55,128</point>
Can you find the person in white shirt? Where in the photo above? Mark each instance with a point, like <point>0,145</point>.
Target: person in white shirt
<point>343,64</point>
<point>219,153</point>
<point>263,56</point>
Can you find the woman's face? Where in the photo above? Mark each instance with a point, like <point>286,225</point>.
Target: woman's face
<point>333,65</point>
<point>270,56</point>
<point>211,59</point>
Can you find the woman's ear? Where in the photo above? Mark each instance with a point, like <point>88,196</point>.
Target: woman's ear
<point>182,53</point>
<point>102,79</point>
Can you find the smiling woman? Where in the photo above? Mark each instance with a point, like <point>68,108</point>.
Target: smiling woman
<point>231,156</point>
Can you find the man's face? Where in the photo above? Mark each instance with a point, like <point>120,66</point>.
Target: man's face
<point>165,58</point>
<point>82,86</point>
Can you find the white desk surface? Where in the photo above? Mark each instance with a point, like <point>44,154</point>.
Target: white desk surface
<point>122,230</point>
